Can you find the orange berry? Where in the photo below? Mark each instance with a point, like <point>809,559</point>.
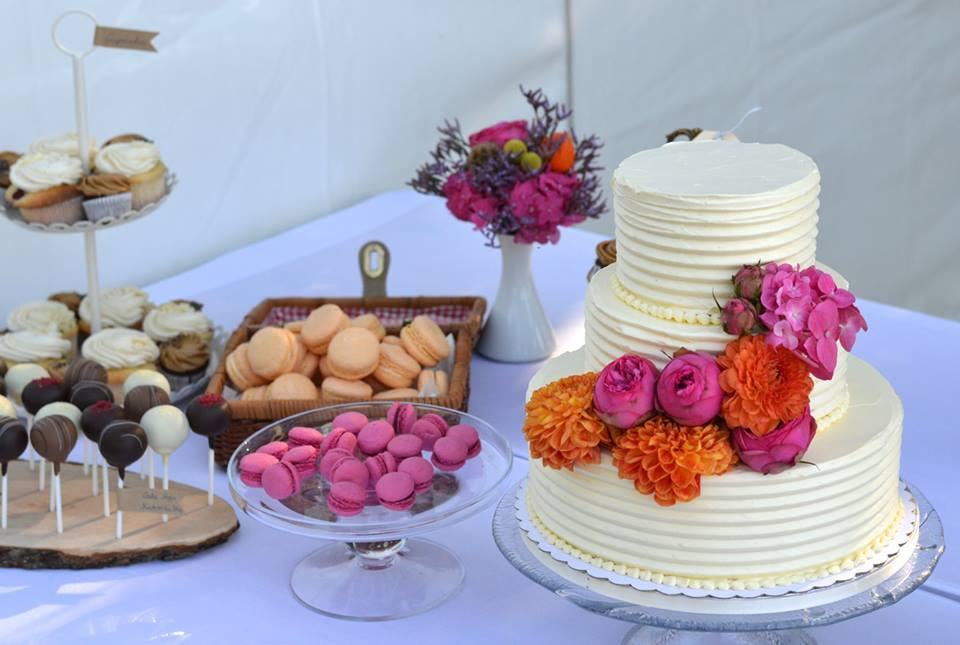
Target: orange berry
<point>563,158</point>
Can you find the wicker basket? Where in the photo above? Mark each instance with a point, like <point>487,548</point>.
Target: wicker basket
<point>461,316</point>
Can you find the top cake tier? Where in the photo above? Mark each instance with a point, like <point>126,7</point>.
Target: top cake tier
<point>688,215</point>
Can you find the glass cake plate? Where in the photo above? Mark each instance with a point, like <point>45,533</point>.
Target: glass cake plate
<point>375,571</point>
<point>661,618</point>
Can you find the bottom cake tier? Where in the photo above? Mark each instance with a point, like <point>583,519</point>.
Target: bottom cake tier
<point>746,530</point>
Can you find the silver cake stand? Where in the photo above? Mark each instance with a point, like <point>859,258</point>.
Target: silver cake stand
<point>660,618</point>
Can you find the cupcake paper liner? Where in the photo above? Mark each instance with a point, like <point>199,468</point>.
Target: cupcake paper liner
<point>148,192</point>
<point>99,208</point>
<point>180,381</point>
<point>68,212</point>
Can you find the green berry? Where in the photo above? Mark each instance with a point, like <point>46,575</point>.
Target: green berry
<point>515,147</point>
<point>530,161</point>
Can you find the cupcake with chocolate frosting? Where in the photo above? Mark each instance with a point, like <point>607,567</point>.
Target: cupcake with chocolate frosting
<point>7,159</point>
<point>184,360</point>
<point>106,195</point>
<point>70,299</point>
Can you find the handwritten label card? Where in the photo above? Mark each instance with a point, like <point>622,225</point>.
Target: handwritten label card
<point>145,500</point>
<point>124,39</point>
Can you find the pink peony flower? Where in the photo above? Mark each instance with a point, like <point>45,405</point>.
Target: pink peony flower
<point>688,389</point>
<point>623,396</point>
<point>748,282</point>
<point>500,133</point>
<point>778,450</point>
<point>738,316</point>
<point>466,203</point>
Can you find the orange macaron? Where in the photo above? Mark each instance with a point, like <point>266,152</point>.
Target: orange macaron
<point>321,326</point>
<point>425,341</point>
<point>292,386</point>
<point>353,353</point>
<point>371,322</point>
<point>239,371</point>
<point>272,352</point>
<point>338,388</point>
<point>397,368</point>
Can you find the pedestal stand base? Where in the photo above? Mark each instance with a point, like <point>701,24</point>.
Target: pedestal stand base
<point>377,580</point>
<point>646,635</point>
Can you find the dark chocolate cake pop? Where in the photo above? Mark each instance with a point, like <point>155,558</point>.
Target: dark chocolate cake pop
<point>86,393</point>
<point>209,415</point>
<point>122,443</point>
<point>13,441</point>
<point>54,437</point>
<point>142,398</point>
<point>42,391</point>
<point>84,370</point>
<point>96,417</point>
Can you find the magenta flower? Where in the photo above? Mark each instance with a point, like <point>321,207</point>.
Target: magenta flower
<point>820,346</point>
<point>466,203</point>
<point>688,389</point>
<point>500,133</point>
<point>540,204</point>
<point>851,321</point>
<point>782,334</point>
<point>778,450</point>
<point>624,394</point>
<point>738,316</point>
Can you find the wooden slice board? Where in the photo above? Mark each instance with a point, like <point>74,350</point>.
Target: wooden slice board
<point>89,539</point>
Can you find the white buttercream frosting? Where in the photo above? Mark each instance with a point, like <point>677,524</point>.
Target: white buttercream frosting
<point>688,215</point>
<point>26,346</point>
<point>128,158</point>
<point>65,144</point>
<point>745,527</point>
<point>119,307</point>
<point>43,316</point>
<point>120,348</point>
<point>35,172</point>
<point>168,321</point>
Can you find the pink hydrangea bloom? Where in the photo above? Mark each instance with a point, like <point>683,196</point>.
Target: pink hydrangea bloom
<point>500,133</point>
<point>466,203</point>
<point>540,204</point>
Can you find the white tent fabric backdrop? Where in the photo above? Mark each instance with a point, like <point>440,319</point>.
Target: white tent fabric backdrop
<point>273,113</point>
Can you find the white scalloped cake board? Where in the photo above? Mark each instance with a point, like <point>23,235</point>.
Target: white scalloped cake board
<point>768,600</point>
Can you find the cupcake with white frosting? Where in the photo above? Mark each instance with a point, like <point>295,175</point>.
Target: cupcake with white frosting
<point>65,144</point>
<point>166,322</point>
<point>44,316</point>
<point>140,162</point>
<point>44,187</point>
<point>183,332</point>
<point>122,352</point>
<point>45,349</point>
<point>119,307</point>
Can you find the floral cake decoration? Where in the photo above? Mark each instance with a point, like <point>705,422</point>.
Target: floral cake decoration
<point>702,414</point>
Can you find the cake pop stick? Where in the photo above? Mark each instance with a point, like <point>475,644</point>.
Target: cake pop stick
<point>122,443</point>
<point>209,415</point>
<point>54,436</point>
<point>167,429</point>
<point>13,441</point>
<point>106,489</point>
<point>92,422</point>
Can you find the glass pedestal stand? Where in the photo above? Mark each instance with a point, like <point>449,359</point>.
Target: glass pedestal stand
<point>376,570</point>
<point>661,618</point>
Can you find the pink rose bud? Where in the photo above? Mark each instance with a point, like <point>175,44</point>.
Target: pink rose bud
<point>688,389</point>
<point>779,450</point>
<point>738,316</point>
<point>748,282</point>
<point>623,396</point>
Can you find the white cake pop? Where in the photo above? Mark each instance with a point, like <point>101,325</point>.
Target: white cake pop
<point>146,377</point>
<point>7,408</point>
<point>68,410</point>
<point>167,428</point>
<point>19,375</point>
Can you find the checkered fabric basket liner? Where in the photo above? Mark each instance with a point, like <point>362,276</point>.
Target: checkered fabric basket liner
<point>389,316</point>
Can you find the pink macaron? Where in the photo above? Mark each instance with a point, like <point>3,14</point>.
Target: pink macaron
<point>339,438</point>
<point>252,467</point>
<point>396,491</point>
<point>449,454</point>
<point>305,460</point>
<point>281,480</point>
<point>380,465</point>
<point>420,470</point>
<point>402,416</point>
<point>276,449</point>
<point>405,445</point>
<point>374,437</point>
<point>350,421</point>
<point>346,498</point>
<point>429,428</point>
<point>331,460</point>
<point>351,470</point>
<point>301,436</point>
<point>468,435</point>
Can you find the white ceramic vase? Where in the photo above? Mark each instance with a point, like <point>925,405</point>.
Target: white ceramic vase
<point>517,330</point>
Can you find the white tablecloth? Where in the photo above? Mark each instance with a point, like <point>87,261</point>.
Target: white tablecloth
<point>239,592</point>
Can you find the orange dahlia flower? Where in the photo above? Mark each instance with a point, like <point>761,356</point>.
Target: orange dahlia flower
<point>765,385</point>
<point>667,460</point>
<point>561,426</point>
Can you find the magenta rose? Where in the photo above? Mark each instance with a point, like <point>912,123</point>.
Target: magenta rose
<point>466,203</point>
<point>688,389</point>
<point>779,450</point>
<point>500,133</point>
<point>738,316</point>
<point>748,282</point>
<point>623,396</point>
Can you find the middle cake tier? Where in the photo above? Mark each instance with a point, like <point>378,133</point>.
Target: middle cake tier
<point>615,328</point>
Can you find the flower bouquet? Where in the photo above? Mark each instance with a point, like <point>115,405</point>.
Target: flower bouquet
<point>517,182</point>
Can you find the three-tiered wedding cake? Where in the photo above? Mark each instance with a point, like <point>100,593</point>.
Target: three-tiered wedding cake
<point>688,217</point>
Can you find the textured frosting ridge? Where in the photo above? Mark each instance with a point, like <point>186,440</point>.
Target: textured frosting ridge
<point>119,307</point>
<point>128,158</point>
<point>169,320</point>
<point>44,316</point>
<point>745,528</point>
<point>689,214</point>
<point>120,348</point>
<point>37,171</point>
<point>29,345</point>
